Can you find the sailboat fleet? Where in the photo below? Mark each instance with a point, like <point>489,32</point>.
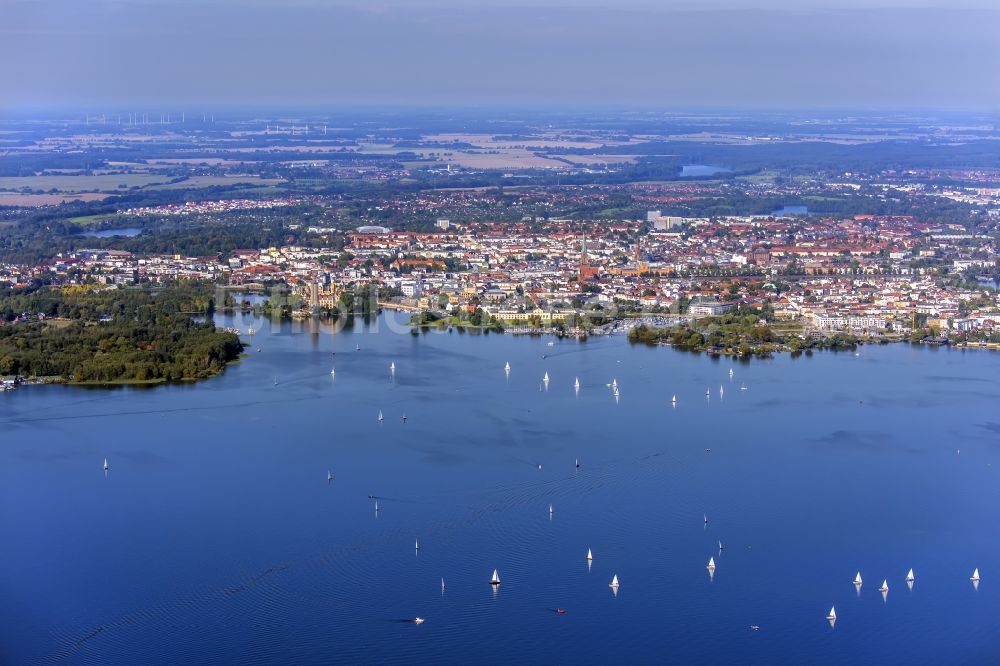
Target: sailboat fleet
<point>615,584</point>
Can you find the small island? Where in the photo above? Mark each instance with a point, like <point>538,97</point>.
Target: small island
<point>90,334</point>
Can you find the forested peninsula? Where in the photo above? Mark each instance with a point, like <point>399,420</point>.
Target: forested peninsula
<point>112,335</point>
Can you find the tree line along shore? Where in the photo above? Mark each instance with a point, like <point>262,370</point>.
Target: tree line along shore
<point>93,335</point>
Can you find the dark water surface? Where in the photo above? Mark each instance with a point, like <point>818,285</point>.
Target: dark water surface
<point>217,539</point>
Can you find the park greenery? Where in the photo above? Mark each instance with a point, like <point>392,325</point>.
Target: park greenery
<point>112,335</point>
<point>741,334</point>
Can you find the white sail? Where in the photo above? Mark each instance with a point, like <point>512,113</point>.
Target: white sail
<point>380,415</point>
<point>708,392</point>
<point>711,563</point>
<point>546,377</point>
<point>614,581</point>
<point>416,544</point>
<point>550,509</point>
<point>975,575</point>
<point>720,545</point>
<point>614,383</point>
<point>833,614</point>
<point>506,367</point>
<point>333,371</point>
<point>857,579</point>
<point>496,578</point>
<point>442,583</point>
<point>392,367</point>
<point>885,586</point>
<point>590,556</point>
<point>730,372</point>
<point>105,464</point>
<point>329,475</point>
<point>576,384</point>
<point>909,576</point>
<point>674,399</point>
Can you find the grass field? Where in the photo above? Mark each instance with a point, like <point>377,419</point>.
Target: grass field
<point>88,220</point>
<point>74,184</point>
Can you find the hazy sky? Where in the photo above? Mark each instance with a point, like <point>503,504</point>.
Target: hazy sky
<point>801,53</point>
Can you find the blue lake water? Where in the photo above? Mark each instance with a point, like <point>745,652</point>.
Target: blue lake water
<point>215,537</point>
<point>790,210</point>
<point>701,170</point>
<point>108,233</point>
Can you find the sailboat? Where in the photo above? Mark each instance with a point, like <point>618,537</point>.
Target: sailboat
<point>857,580</point>
<point>706,518</point>
<point>730,373</point>
<point>576,384</point>
<point>590,556</point>
<point>329,476</point>
<point>333,371</point>
<point>416,544</point>
<point>550,510</point>
<point>720,546</point>
<point>711,564</point>
<point>506,367</point>
<point>975,576</point>
<point>832,615</point>
<point>721,391</point>
<point>380,415</point>
<point>614,383</point>
<point>376,506</point>
<point>106,468</point>
<point>546,378</point>
<point>496,578</point>
<point>442,583</point>
<point>578,463</point>
<point>674,399</point>
<point>392,367</point>
<point>909,576</point>
<point>708,393</point>
<point>885,586</point>
<point>275,381</point>
<point>418,620</point>
<point>614,583</point>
